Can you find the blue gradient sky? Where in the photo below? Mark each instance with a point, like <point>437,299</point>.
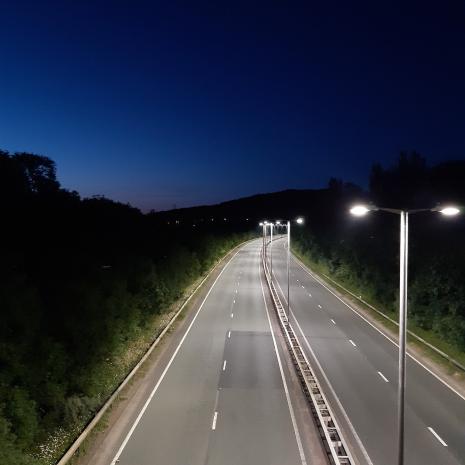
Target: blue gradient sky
<point>189,104</point>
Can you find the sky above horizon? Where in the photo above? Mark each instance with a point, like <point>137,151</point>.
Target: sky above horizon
<point>164,104</point>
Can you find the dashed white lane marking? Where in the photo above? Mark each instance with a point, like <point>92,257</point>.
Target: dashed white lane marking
<point>383,377</point>
<point>229,334</point>
<point>352,342</point>
<point>236,291</point>
<point>215,417</point>
<point>333,322</point>
<point>303,287</point>
<point>232,315</point>
<point>309,294</point>
<point>436,435</point>
<point>224,365</point>
<point>319,306</point>
<point>234,301</point>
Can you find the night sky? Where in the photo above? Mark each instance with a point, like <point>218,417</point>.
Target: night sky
<point>193,103</point>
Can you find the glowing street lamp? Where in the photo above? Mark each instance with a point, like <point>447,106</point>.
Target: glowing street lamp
<point>362,210</point>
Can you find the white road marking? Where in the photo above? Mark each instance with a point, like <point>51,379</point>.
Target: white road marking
<point>288,398</point>
<point>234,301</point>
<point>318,280</point>
<point>303,287</point>
<point>224,365</point>
<point>333,321</point>
<point>236,291</point>
<point>436,435</point>
<point>352,342</point>
<point>229,334</point>
<point>215,417</point>
<point>319,306</point>
<point>232,315</point>
<point>309,294</point>
<point>155,389</point>
<point>323,374</point>
<point>383,377</point>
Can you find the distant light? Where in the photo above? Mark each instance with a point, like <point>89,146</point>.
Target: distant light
<point>450,211</point>
<point>359,210</point>
<point>260,224</point>
<point>300,221</point>
<point>225,219</point>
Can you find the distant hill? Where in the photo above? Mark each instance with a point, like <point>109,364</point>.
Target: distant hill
<point>276,205</point>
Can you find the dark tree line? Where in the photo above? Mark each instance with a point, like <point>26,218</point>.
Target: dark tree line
<point>363,253</point>
<point>80,281</point>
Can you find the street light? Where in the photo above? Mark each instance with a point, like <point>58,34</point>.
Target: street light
<point>362,210</point>
<point>288,225</point>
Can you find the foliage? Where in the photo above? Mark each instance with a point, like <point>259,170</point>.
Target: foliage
<point>80,280</point>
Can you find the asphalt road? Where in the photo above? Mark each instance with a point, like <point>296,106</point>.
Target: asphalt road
<point>361,366</point>
<point>221,398</point>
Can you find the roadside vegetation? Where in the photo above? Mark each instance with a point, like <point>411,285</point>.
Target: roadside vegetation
<point>362,253</point>
<point>84,285</point>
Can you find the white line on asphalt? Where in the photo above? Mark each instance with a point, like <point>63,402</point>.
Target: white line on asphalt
<point>333,321</point>
<point>352,342</point>
<point>288,398</point>
<point>155,389</point>
<point>333,392</point>
<point>232,315</point>
<point>229,334</point>
<point>319,306</point>
<point>215,417</point>
<point>309,294</point>
<point>383,377</point>
<point>318,280</point>
<point>436,435</point>
<point>303,287</point>
<point>236,291</point>
<point>234,301</point>
<point>224,365</point>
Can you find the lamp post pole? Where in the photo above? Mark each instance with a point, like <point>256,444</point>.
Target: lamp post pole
<point>361,210</point>
<point>403,283</point>
<point>288,268</point>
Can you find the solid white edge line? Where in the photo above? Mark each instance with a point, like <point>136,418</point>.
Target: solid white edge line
<point>352,342</point>
<point>229,334</point>
<point>436,435</point>
<point>288,397</point>
<point>224,365</point>
<point>144,408</point>
<point>330,387</point>
<point>383,377</point>
<point>377,329</point>
<point>215,417</point>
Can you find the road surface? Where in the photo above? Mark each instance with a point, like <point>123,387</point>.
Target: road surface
<point>360,364</point>
<point>221,398</point>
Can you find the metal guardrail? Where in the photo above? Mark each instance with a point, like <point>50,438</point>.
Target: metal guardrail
<point>336,448</point>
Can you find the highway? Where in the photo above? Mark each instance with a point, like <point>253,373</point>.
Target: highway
<point>360,374</point>
<point>221,398</point>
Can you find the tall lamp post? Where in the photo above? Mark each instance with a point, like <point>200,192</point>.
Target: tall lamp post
<point>298,221</point>
<point>362,210</point>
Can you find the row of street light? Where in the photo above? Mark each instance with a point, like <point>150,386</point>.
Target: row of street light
<point>360,211</point>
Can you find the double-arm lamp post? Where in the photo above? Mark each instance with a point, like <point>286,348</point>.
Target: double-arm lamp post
<point>362,210</point>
